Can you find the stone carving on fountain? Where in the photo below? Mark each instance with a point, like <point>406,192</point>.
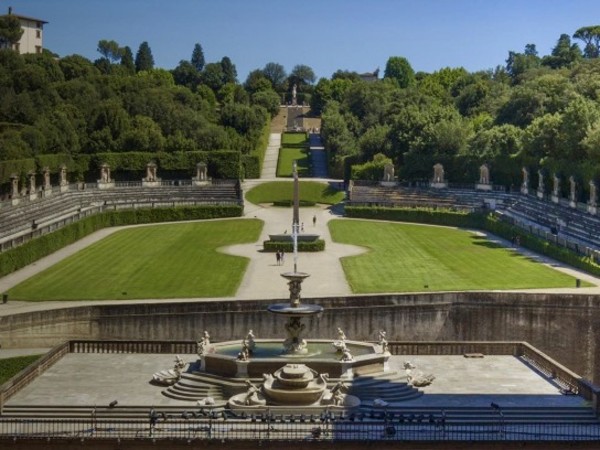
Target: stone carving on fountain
<point>170,376</point>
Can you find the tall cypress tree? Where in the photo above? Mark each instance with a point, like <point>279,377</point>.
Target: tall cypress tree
<point>127,59</point>
<point>198,57</point>
<point>143,58</point>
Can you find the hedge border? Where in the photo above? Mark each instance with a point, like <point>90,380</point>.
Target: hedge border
<point>288,247</point>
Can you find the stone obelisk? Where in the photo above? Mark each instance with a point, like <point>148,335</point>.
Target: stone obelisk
<point>296,215</point>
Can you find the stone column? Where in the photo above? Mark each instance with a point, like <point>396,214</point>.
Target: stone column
<point>592,204</point>
<point>540,189</point>
<point>62,179</point>
<point>525,184</point>
<point>572,192</point>
<point>556,189</point>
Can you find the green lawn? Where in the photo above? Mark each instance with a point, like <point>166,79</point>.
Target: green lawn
<point>409,257</point>
<point>294,139</point>
<point>286,159</point>
<point>279,191</point>
<point>9,367</point>
<point>162,261</point>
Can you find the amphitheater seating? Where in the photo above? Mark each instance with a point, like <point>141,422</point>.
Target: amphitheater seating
<point>28,215</point>
<point>575,227</point>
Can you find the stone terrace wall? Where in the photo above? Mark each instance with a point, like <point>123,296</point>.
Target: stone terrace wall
<point>567,327</point>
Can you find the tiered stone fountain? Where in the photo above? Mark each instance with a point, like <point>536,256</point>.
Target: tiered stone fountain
<point>294,372</point>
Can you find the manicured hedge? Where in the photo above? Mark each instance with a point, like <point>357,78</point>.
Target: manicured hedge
<point>482,221</point>
<point>37,248</point>
<point>453,218</point>
<point>288,247</point>
<point>288,203</point>
<point>251,165</point>
<point>9,367</point>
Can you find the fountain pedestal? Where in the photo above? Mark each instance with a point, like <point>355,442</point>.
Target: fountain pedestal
<point>295,344</point>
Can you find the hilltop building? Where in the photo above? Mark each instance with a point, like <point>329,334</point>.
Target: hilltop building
<point>33,33</point>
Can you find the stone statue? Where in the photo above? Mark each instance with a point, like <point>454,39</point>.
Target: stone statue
<point>170,376</point>
<point>63,176</point>
<point>14,179</point>
<point>388,172</point>
<point>341,335</point>
<point>201,174</point>
<point>251,396</point>
<point>250,343</point>
<point>417,377</point>
<point>244,355</point>
<point>338,393</point>
<point>556,188</point>
<point>383,342</point>
<point>46,173</point>
<point>484,174</point>
<point>151,172</point>
<point>572,189</point>
<point>203,343</point>
<point>294,101</point>
<point>31,182</point>
<point>525,173</point>
<point>438,173</point>
<point>347,356</point>
<point>593,195</point>
<point>179,364</point>
<point>104,173</point>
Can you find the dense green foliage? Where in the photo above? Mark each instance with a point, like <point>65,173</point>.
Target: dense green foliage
<point>282,192</point>
<point>408,257</point>
<point>288,247</point>
<point>179,260</point>
<point>77,109</point>
<point>35,249</point>
<point>540,112</point>
<point>9,367</point>
<point>487,222</point>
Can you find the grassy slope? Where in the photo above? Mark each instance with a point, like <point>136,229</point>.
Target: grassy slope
<point>311,191</point>
<point>9,367</point>
<point>408,257</point>
<point>164,261</point>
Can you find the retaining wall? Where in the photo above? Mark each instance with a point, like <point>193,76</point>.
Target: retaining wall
<point>567,327</point>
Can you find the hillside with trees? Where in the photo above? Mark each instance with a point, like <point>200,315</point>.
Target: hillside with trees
<point>122,109</point>
<point>540,112</point>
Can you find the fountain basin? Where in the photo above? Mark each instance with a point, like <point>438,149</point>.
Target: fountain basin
<point>294,384</point>
<point>267,357</point>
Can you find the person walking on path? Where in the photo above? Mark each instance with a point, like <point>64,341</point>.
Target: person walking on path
<point>278,257</point>
<point>315,220</point>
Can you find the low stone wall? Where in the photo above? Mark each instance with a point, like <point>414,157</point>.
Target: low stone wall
<point>566,327</point>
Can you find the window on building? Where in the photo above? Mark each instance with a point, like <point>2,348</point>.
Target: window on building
<point>38,49</point>
<point>39,24</point>
<point>38,34</point>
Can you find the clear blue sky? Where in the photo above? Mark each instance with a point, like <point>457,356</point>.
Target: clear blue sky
<point>327,35</point>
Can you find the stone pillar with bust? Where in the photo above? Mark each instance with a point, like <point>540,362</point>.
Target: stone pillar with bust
<point>592,203</point>
<point>556,189</point>
<point>572,192</point>
<point>14,193</point>
<point>525,184</point>
<point>32,186</point>
<point>540,189</point>
<point>62,179</point>
<point>47,187</point>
